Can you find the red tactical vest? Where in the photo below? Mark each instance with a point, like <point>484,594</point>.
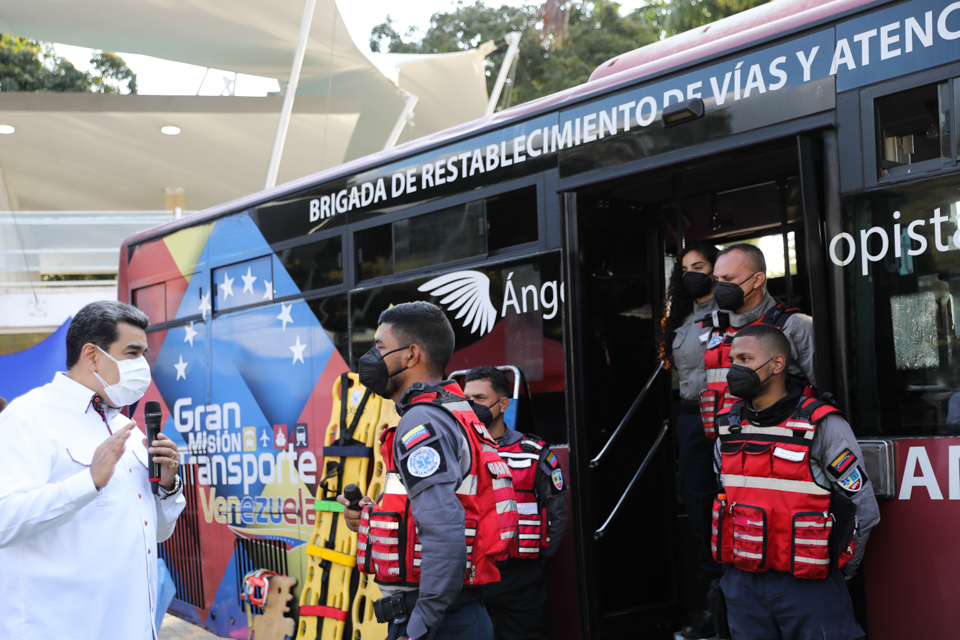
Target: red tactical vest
<point>774,515</point>
<point>523,457</point>
<point>388,545</point>
<point>716,396</point>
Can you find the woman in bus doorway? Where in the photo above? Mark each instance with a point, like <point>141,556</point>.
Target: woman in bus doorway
<point>683,344</point>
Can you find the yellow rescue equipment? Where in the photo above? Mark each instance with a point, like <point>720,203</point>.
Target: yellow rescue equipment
<point>349,446</point>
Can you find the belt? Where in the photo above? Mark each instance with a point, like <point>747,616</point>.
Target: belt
<point>689,406</point>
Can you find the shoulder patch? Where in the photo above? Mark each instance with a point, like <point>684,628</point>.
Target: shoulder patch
<point>842,463</point>
<point>417,435</point>
<point>557,478</point>
<point>423,462</point>
<point>853,482</point>
<point>552,460</point>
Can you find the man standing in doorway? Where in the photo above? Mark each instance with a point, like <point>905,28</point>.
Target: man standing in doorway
<point>742,298</point>
<point>518,603</point>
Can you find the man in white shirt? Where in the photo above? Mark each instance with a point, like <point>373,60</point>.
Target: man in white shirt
<point>79,524</point>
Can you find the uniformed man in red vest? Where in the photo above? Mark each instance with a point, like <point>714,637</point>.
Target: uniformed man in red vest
<point>742,298</point>
<point>518,603</point>
<point>795,508</point>
<point>448,506</point>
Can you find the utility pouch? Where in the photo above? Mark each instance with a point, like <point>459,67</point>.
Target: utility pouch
<point>844,513</point>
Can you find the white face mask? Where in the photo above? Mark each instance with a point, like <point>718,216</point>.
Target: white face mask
<point>134,381</point>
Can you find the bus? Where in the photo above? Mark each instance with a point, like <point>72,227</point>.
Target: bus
<point>826,132</point>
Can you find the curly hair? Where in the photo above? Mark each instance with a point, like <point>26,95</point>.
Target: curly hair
<point>679,304</point>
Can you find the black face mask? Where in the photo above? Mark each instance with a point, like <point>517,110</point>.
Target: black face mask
<point>744,382</point>
<point>697,284</point>
<point>373,371</point>
<point>729,295</point>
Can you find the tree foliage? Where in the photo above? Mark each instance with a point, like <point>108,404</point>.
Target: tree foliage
<point>28,65</point>
<point>596,33</point>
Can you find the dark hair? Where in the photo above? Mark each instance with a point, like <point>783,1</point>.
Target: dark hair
<point>679,303</point>
<point>771,339</point>
<point>497,379</point>
<point>97,324</point>
<point>425,325</point>
<point>754,256</point>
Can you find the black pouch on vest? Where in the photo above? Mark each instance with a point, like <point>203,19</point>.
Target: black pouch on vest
<point>845,520</point>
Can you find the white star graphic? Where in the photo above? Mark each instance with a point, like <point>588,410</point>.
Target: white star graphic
<point>191,333</point>
<point>269,293</point>
<point>227,286</point>
<point>297,350</point>
<point>248,281</point>
<point>204,306</point>
<point>181,368</point>
<point>285,314</point>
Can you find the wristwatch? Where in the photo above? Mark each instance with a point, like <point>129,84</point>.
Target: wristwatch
<point>163,494</point>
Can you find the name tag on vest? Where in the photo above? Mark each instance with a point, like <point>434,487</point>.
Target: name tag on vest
<point>786,454</point>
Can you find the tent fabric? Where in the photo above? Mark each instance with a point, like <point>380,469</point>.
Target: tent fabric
<point>34,367</point>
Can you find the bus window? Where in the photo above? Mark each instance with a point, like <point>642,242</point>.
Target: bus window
<point>315,265</point>
<point>512,219</point>
<point>442,236</point>
<point>152,301</point>
<point>333,317</point>
<point>233,285</point>
<point>901,265</point>
<point>912,130</point>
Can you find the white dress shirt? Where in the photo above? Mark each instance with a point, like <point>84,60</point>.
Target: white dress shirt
<point>75,563</point>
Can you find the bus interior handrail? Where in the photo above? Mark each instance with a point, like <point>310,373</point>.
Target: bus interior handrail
<point>636,403</point>
<point>646,461</point>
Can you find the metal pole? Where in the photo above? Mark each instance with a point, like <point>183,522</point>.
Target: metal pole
<point>291,93</point>
<point>406,115</point>
<point>513,52</point>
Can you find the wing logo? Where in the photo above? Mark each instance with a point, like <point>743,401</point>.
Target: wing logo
<point>468,292</point>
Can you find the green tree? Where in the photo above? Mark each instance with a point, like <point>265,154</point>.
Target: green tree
<point>28,65</point>
<point>596,33</point>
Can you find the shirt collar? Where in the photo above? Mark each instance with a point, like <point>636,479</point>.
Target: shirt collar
<point>77,394</point>
<point>752,315</point>
<point>509,437</point>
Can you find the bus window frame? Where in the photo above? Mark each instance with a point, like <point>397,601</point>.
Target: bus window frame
<point>538,246</point>
<point>868,126</point>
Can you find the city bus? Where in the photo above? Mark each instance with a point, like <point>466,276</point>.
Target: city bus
<point>823,132</point>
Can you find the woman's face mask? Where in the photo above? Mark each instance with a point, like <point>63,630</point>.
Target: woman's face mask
<point>134,381</point>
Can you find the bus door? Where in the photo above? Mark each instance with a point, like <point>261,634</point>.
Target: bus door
<point>638,567</point>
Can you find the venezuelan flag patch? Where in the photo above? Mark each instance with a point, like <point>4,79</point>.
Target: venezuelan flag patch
<point>416,435</point>
<point>552,460</point>
<point>842,463</point>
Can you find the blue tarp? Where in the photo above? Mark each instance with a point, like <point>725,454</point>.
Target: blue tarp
<point>25,370</point>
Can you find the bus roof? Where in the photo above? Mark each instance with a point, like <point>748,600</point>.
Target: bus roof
<point>704,43</point>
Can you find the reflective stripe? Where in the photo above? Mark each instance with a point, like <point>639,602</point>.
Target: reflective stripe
<point>506,505</point>
<point>469,549</point>
<point>384,524</point>
<point>418,547</point>
<point>530,523</point>
<point>469,486</point>
<point>527,508</point>
<point>519,464</point>
<point>748,538</point>
<point>506,535</point>
<point>502,483</point>
<point>792,424</point>
<point>810,560</point>
<point>529,536</point>
<point>385,556</point>
<point>521,455</point>
<point>826,525</point>
<point>394,485</point>
<point>531,443</point>
<point>416,562</point>
<point>459,405</point>
<point>773,484</point>
<point>470,531</point>
<point>487,448</point>
<point>781,432</point>
<point>384,539</point>
<point>813,543</point>
<point>717,375</point>
<point>391,571</point>
<point>747,554</point>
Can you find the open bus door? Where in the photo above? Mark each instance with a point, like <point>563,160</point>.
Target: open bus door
<point>637,566</point>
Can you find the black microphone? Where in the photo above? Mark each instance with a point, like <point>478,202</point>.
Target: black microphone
<point>152,416</point>
<point>352,493</point>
